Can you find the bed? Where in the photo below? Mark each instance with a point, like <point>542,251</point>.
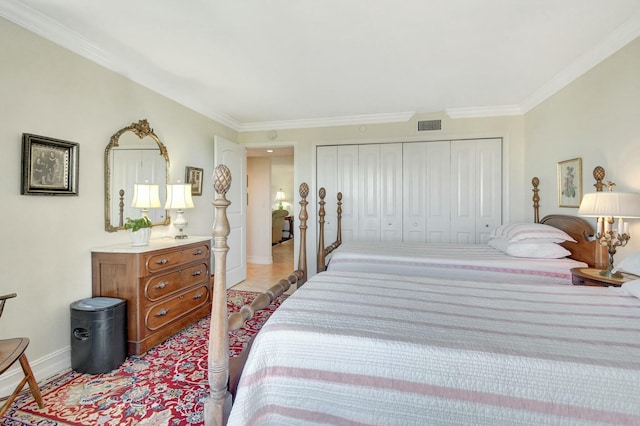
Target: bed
<point>363,348</point>
<point>373,349</point>
<point>526,260</point>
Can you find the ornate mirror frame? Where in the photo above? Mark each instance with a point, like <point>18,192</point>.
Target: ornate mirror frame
<point>142,129</point>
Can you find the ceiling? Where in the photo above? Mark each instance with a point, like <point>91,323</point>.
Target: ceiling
<point>273,64</point>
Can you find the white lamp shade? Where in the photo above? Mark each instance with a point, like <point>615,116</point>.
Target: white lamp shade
<point>179,197</point>
<point>146,196</point>
<point>610,204</point>
<point>280,196</point>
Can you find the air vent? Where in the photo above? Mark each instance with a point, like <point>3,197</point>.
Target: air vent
<point>425,125</point>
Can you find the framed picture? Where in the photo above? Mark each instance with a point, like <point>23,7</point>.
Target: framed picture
<point>49,166</point>
<point>193,176</point>
<point>570,183</point>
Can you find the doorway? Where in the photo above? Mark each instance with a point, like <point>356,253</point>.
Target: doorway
<point>269,247</point>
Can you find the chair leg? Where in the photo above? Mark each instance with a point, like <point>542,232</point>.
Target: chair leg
<point>33,385</point>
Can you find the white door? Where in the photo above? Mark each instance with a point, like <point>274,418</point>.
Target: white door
<point>489,177</point>
<point>426,176</point>
<point>234,156</point>
<point>391,192</point>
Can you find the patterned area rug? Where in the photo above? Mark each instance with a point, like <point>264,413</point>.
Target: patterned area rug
<point>166,386</point>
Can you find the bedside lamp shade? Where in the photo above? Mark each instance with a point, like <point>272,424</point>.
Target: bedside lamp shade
<point>179,198</point>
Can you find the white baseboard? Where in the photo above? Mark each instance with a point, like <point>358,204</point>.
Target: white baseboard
<point>43,369</point>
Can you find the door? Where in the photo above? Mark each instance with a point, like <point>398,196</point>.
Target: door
<point>234,156</point>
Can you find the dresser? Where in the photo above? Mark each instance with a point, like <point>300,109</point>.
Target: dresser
<point>166,284</point>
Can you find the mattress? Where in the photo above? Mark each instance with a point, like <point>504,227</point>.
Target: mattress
<point>459,261</point>
<point>371,349</point>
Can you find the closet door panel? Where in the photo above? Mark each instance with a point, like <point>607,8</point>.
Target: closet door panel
<point>463,193</point>
<point>438,189</point>
<point>413,192</point>
<point>348,185</point>
<point>391,192</point>
<point>327,178</point>
<point>369,193</point>
<point>489,172</point>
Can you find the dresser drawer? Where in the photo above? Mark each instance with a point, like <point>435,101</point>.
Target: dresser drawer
<point>163,313</point>
<point>169,259</point>
<point>159,286</point>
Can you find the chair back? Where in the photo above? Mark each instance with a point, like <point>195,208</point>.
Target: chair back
<point>4,299</point>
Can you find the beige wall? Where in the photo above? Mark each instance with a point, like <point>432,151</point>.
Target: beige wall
<point>46,256</point>
<point>596,118</point>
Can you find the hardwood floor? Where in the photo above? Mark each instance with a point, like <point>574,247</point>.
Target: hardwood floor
<point>261,277</point>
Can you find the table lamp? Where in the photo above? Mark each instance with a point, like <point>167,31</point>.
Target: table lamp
<point>179,198</point>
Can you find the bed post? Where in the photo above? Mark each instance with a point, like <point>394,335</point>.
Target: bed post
<point>218,403</point>
<point>339,236</point>
<point>321,213</point>
<point>536,200</point>
<point>302,252</point>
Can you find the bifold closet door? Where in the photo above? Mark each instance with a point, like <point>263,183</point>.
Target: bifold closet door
<point>476,189</point>
<point>426,183</point>
<point>337,171</point>
<point>380,192</point>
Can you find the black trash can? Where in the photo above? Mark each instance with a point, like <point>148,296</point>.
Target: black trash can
<point>98,334</point>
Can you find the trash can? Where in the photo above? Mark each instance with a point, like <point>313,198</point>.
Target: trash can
<point>98,334</point>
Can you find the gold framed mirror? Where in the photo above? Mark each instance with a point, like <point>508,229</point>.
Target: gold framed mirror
<point>134,155</point>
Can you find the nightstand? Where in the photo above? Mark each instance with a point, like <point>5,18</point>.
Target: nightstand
<point>591,276</point>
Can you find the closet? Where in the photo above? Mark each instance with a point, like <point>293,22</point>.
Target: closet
<point>440,192</point>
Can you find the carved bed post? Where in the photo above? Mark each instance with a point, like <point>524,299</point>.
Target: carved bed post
<point>536,200</point>
<point>302,257</point>
<point>321,213</point>
<point>339,236</point>
<point>218,404</point>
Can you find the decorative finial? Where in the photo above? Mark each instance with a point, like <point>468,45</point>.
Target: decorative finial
<point>610,186</point>
<point>304,190</point>
<point>322,193</point>
<point>598,175</point>
<point>221,179</point>
<point>339,196</point>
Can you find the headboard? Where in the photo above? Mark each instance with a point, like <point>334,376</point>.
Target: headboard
<point>584,249</point>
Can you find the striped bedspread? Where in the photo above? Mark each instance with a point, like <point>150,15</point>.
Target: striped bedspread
<point>460,261</point>
<point>368,349</point>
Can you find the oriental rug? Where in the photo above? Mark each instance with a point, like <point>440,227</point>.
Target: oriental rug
<point>165,386</point>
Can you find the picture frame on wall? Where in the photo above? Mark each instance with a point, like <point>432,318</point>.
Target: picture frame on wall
<point>570,183</point>
<point>49,166</point>
<point>193,175</point>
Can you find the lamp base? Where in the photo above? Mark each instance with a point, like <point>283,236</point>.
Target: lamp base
<point>608,274</point>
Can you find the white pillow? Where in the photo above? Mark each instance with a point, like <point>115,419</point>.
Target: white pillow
<point>529,249</point>
<point>530,232</point>
<point>630,264</point>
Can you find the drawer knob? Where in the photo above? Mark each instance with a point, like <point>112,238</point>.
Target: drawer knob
<point>197,296</point>
<point>197,252</point>
<point>196,273</point>
<point>160,285</point>
<point>162,312</point>
<point>162,261</point>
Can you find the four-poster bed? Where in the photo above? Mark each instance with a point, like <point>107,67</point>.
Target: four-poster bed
<point>359,348</point>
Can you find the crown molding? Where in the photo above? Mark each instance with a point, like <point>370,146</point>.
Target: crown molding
<point>328,121</point>
<point>487,111</point>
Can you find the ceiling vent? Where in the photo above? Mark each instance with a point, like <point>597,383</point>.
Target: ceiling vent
<point>425,125</point>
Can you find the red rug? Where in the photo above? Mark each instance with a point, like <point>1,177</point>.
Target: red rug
<point>166,386</point>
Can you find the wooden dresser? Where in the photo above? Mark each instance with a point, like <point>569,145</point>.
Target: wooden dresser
<point>166,284</point>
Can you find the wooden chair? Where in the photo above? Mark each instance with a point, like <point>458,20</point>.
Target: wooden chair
<point>12,350</point>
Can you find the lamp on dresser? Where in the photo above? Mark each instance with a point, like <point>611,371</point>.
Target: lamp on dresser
<point>179,198</point>
<point>145,196</point>
<point>609,206</point>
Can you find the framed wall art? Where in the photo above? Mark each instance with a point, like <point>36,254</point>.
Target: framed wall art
<point>193,176</point>
<point>49,166</point>
<point>570,183</point>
